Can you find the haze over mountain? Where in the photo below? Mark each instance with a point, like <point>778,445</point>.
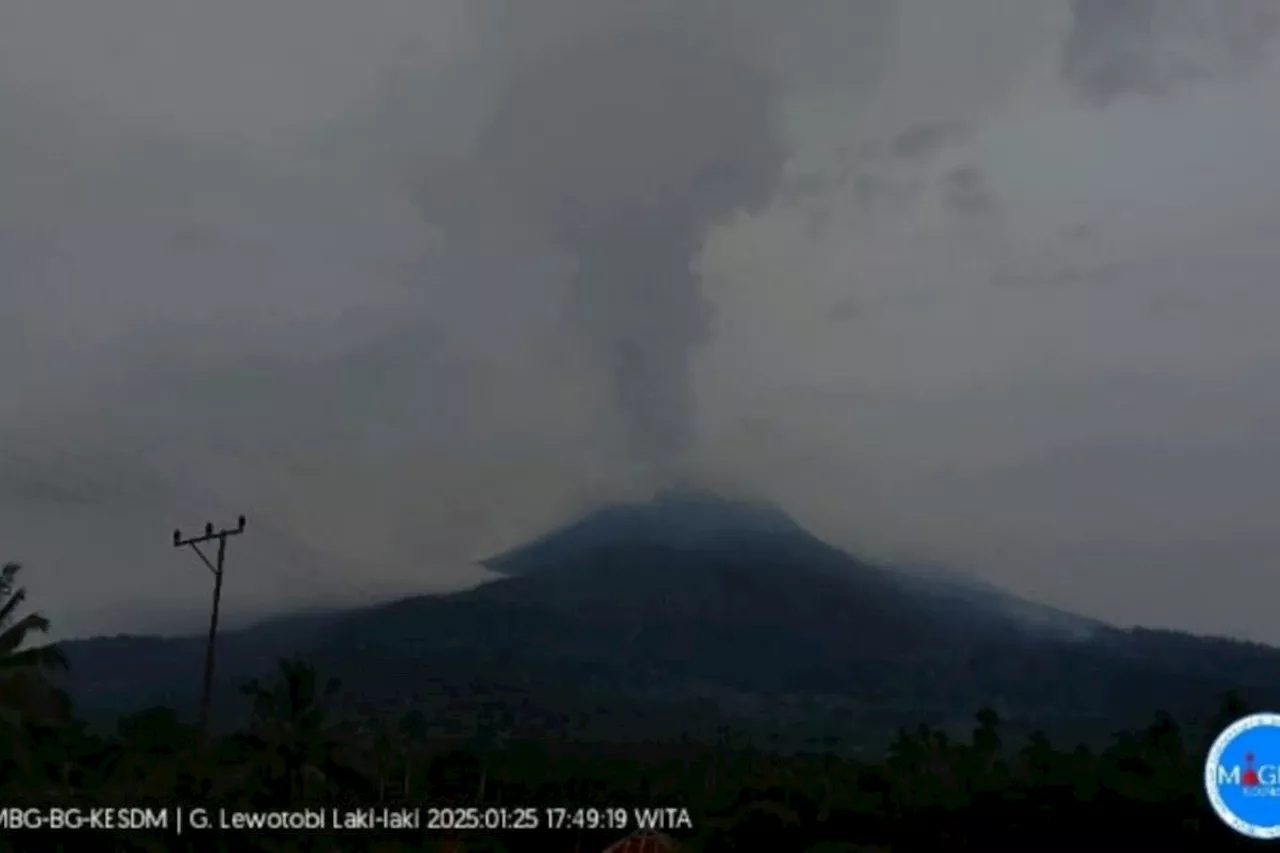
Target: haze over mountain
<point>986,284</point>
<point>693,608</point>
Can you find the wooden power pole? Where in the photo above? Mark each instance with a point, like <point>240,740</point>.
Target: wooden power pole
<point>194,543</point>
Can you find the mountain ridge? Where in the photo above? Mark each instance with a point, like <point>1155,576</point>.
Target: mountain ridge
<point>681,514</point>
<point>640,608</point>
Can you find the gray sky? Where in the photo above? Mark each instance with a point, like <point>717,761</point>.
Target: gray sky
<point>985,283</point>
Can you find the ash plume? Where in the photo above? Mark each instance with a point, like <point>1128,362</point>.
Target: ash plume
<point>622,147</point>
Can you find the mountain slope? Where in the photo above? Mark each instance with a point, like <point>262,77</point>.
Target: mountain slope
<point>690,599</point>
<point>677,518</point>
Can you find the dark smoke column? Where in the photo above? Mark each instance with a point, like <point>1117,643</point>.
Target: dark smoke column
<point>637,305</point>
<point>623,148</point>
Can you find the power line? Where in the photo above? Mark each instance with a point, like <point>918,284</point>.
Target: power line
<point>117,477</point>
<point>291,561</point>
<point>194,543</point>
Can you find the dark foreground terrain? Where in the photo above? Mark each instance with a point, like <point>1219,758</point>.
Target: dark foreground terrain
<point>691,654</point>
<point>931,792</point>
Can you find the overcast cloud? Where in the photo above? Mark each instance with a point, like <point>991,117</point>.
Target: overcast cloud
<point>986,283</point>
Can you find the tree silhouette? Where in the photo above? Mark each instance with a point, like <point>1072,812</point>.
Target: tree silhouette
<point>29,701</point>
<point>20,662</point>
<point>291,730</point>
<point>934,788</point>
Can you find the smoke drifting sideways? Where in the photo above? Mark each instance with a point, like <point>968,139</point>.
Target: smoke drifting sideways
<point>1152,47</point>
<point>620,146</point>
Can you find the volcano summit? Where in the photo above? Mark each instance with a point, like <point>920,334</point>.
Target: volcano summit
<point>641,612</point>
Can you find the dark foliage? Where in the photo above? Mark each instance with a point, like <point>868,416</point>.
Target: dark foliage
<point>929,791</point>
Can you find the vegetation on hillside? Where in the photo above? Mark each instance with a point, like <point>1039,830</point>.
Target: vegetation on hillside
<point>930,791</point>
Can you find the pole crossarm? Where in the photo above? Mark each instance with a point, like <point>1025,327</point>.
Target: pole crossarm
<point>209,534</point>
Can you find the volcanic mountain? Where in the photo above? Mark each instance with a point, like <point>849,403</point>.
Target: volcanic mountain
<point>645,611</point>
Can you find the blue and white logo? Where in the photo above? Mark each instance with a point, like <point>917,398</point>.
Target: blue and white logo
<point>1242,776</point>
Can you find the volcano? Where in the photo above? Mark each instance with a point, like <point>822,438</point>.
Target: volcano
<point>683,518</point>
<point>644,611</point>
<point>687,537</point>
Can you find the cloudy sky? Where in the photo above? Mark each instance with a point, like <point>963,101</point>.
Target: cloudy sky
<point>407,281</point>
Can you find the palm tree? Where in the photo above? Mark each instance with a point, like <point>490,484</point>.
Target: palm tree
<point>28,699</point>
<point>13,635</point>
<point>291,727</point>
<point>25,693</point>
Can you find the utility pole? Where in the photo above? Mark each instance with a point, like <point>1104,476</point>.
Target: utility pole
<point>194,543</point>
